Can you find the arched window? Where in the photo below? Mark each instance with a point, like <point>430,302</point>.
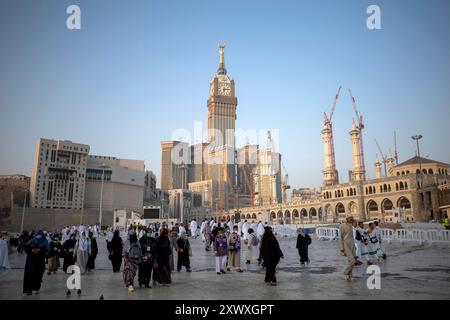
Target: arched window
<point>407,171</point>
<point>335,194</point>
<point>348,193</point>
<point>404,203</point>
<point>387,205</point>
<point>295,215</point>
<point>396,187</point>
<point>406,185</point>
<point>430,171</point>
<point>385,188</point>
<point>287,217</point>
<point>304,213</point>
<point>367,191</point>
<point>403,173</point>
<point>340,208</point>
<point>401,185</point>
<point>312,212</point>
<point>372,206</point>
<point>254,216</point>
<point>354,192</point>
<point>424,171</point>
<point>398,173</point>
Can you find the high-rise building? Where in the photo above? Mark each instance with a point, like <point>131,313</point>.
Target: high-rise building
<point>58,178</point>
<point>222,104</point>
<point>175,160</point>
<point>150,187</point>
<point>267,178</point>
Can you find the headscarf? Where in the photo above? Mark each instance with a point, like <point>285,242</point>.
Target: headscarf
<point>39,241</point>
<point>116,241</point>
<point>301,231</point>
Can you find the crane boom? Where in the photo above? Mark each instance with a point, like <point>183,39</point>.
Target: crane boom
<point>382,157</point>
<point>336,98</point>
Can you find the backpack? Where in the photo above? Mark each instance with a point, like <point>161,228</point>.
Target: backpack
<point>255,241</point>
<point>135,251</point>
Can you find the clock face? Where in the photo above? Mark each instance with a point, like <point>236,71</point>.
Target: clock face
<point>224,89</point>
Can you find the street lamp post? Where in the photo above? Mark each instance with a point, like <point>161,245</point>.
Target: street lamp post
<point>103,167</point>
<point>23,210</point>
<point>417,137</point>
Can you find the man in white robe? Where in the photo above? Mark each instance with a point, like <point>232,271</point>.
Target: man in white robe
<point>378,235</point>
<point>230,225</point>
<point>193,228</point>
<point>202,228</point>
<point>240,228</point>
<point>182,229</point>
<point>4,254</point>
<point>245,227</point>
<point>260,230</point>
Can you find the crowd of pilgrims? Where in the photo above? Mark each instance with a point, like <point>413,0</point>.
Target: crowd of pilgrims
<point>148,251</point>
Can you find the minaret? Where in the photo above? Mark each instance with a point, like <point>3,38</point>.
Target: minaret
<point>329,172</point>
<point>390,163</point>
<point>358,172</point>
<point>378,168</point>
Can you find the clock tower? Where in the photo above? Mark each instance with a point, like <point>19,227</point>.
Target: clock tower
<point>222,103</point>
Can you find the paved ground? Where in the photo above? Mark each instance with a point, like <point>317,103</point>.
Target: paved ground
<point>410,272</point>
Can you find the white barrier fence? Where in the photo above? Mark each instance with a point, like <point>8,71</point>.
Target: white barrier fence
<point>402,235</point>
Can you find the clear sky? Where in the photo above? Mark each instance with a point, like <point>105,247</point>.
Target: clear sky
<point>138,70</point>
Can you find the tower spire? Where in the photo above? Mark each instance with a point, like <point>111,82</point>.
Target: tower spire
<point>221,69</point>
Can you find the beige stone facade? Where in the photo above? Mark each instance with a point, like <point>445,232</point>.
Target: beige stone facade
<point>123,186</point>
<point>58,178</point>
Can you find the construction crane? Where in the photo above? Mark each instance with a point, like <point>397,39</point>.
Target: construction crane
<point>329,120</point>
<point>396,151</point>
<point>285,185</point>
<point>360,128</point>
<point>382,157</point>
